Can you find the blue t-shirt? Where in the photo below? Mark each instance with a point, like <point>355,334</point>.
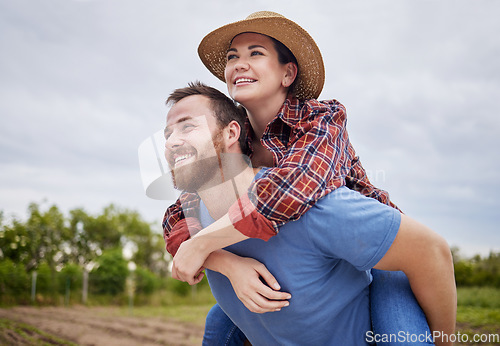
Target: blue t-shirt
<point>323,260</point>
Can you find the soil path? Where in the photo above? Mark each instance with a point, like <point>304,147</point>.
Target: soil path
<point>100,326</point>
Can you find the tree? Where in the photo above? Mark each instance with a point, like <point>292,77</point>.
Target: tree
<point>111,273</point>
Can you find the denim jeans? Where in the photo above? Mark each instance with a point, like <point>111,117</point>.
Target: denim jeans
<point>395,311</point>
<point>396,316</point>
<point>220,330</point>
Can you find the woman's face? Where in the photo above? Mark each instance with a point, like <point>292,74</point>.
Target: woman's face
<point>253,72</point>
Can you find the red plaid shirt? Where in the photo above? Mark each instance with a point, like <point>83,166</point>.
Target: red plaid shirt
<point>312,157</point>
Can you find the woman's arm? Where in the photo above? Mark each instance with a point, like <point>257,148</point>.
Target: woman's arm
<point>180,221</point>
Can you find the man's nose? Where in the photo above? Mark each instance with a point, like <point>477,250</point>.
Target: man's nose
<point>173,141</point>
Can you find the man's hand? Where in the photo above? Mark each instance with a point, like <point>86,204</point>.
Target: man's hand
<point>245,275</point>
<point>254,285</point>
<point>188,262</point>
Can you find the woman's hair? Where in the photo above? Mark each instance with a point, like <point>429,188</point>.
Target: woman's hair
<point>224,108</point>
<point>284,57</point>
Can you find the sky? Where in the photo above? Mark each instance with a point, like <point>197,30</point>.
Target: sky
<point>84,82</point>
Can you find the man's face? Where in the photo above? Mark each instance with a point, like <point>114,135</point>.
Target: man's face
<point>193,143</point>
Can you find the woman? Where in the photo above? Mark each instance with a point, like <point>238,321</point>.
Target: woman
<point>273,68</point>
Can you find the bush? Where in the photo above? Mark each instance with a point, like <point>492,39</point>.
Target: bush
<point>111,274</point>
<point>70,275</point>
<point>46,280</point>
<point>14,282</point>
<point>178,287</point>
<point>146,282</point>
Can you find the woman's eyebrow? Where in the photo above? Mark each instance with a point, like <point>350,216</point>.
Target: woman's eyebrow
<point>256,46</point>
<point>249,48</point>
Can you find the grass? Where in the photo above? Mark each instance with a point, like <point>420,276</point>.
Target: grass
<point>478,311</point>
<point>16,333</point>
<point>195,314</point>
<point>478,307</point>
<point>484,297</point>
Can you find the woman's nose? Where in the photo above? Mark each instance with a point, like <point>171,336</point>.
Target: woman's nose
<point>241,65</point>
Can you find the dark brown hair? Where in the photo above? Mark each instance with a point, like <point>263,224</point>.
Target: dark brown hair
<point>225,109</point>
<point>285,56</point>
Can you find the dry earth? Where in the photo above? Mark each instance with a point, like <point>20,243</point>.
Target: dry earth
<point>97,326</point>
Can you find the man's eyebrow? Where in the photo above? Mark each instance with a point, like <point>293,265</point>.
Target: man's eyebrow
<point>186,118</point>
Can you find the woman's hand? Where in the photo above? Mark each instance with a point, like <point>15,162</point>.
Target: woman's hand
<point>188,262</point>
<point>248,277</point>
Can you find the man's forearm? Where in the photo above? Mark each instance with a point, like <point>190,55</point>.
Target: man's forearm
<point>434,287</point>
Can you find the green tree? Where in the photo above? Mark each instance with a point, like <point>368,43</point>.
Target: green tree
<point>146,282</point>
<point>70,275</point>
<point>111,273</point>
<point>44,232</point>
<point>14,281</point>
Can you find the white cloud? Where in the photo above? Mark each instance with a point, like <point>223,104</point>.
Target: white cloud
<point>84,82</point>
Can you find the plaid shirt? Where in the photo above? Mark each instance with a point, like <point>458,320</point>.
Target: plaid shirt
<point>312,157</point>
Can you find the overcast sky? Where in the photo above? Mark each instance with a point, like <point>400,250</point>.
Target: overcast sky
<point>83,83</point>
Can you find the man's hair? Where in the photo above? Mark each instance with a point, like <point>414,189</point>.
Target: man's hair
<point>224,108</point>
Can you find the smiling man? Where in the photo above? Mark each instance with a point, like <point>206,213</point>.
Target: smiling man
<point>322,261</point>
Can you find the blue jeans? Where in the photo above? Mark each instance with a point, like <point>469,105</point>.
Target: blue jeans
<point>220,330</point>
<point>396,316</point>
<point>395,311</point>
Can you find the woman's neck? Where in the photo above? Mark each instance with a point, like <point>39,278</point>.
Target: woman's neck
<point>261,113</point>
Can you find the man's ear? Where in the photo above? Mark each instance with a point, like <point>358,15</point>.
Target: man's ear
<point>290,75</point>
<point>232,133</point>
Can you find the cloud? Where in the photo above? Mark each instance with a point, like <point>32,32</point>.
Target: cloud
<point>84,83</point>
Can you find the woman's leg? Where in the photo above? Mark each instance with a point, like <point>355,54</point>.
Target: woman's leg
<point>220,330</point>
<point>396,314</point>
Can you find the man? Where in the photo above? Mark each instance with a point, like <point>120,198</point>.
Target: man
<point>323,259</point>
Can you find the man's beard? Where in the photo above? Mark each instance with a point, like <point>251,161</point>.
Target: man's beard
<point>192,177</point>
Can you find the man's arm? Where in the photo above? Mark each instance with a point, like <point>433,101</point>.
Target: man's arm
<point>425,258</point>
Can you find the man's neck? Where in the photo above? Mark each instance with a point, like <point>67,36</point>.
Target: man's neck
<point>220,198</point>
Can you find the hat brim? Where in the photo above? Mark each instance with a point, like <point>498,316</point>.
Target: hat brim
<point>311,77</point>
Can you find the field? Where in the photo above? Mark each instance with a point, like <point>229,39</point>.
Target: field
<point>100,326</point>
<point>478,313</point>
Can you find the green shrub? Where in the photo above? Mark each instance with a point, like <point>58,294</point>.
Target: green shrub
<point>179,287</point>
<point>15,283</point>
<point>70,276</point>
<point>146,282</point>
<point>111,274</point>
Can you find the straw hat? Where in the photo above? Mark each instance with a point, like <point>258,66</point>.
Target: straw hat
<point>309,83</point>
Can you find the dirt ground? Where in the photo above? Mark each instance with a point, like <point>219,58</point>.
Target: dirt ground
<point>96,326</point>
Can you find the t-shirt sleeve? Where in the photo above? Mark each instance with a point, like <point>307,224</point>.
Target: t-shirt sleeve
<point>355,228</point>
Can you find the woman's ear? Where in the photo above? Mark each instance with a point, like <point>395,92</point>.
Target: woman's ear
<point>290,74</point>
